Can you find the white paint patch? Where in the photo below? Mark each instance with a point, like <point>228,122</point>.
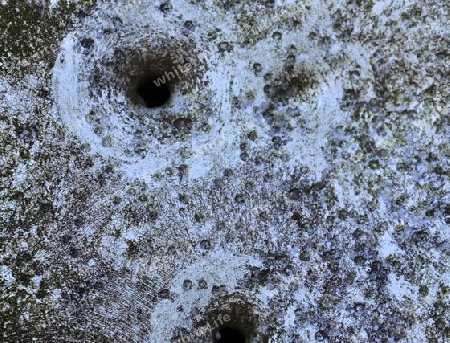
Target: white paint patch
<point>322,114</point>
<point>388,246</point>
<point>6,275</point>
<point>401,288</point>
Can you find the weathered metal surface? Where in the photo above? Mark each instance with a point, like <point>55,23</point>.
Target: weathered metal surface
<point>295,186</point>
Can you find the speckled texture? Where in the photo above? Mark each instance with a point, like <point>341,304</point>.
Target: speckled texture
<point>297,181</point>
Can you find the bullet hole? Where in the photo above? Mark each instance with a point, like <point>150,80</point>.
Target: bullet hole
<point>150,76</point>
<point>205,244</point>
<point>278,142</point>
<point>277,35</point>
<point>164,294</point>
<point>165,7</point>
<point>225,47</point>
<point>87,43</point>
<point>98,130</point>
<point>257,68</point>
<point>182,125</point>
<point>229,335</point>
<point>270,3</point>
<point>268,76</point>
<point>320,336</point>
<point>212,35</point>
<point>228,172</point>
<point>187,284</point>
<point>202,284</point>
<point>296,216</point>
<point>240,199</point>
<point>291,59</point>
<point>189,24</point>
<point>183,198</point>
<point>198,218</point>
<point>153,92</point>
<point>252,135</point>
<point>216,290</point>
<point>233,318</point>
<point>143,198</point>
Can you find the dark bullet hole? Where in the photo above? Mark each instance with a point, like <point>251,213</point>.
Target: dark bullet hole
<point>225,47</point>
<point>257,68</point>
<point>189,24</point>
<point>87,43</point>
<point>234,319</point>
<point>277,35</point>
<point>202,284</point>
<point>296,216</point>
<point>154,92</point>
<point>187,284</point>
<point>230,335</point>
<point>165,7</point>
<point>268,76</point>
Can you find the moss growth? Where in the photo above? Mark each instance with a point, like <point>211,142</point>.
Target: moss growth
<point>28,33</point>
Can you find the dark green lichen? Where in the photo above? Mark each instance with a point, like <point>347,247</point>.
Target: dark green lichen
<point>29,33</point>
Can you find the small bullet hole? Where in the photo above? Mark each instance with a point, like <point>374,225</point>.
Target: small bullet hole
<point>268,76</point>
<point>202,284</point>
<point>270,3</point>
<point>296,216</point>
<point>164,294</point>
<point>230,335</point>
<point>257,68</point>
<point>87,43</point>
<point>225,47</point>
<point>189,24</point>
<point>291,58</point>
<point>252,135</point>
<point>228,172</point>
<point>154,95</point>
<point>277,35</point>
<point>165,7</point>
<point>187,284</point>
<point>205,244</point>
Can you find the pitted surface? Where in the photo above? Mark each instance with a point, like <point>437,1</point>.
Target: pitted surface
<point>297,179</point>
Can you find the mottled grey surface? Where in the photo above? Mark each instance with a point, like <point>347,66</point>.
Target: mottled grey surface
<point>297,182</point>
